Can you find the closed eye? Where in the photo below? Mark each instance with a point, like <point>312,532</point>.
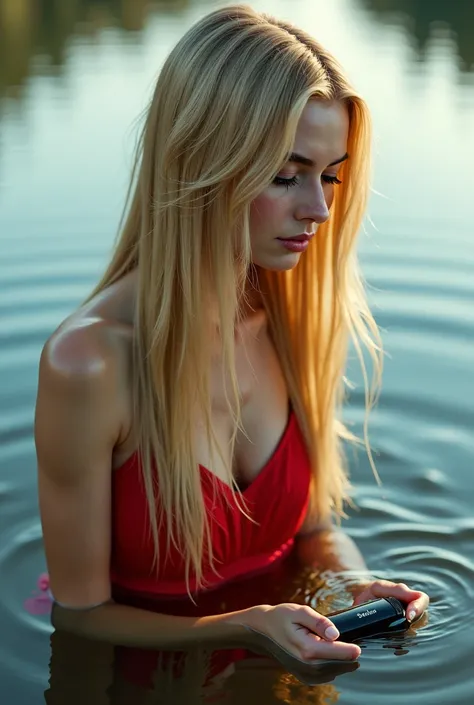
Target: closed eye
<point>280,181</point>
<point>294,181</point>
<point>331,179</point>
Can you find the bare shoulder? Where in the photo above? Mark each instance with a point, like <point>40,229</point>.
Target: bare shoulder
<point>79,416</point>
<point>84,374</point>
<point>86,348</point>
<point>94,343</point>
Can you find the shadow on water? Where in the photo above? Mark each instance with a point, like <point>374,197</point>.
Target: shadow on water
<point>35,34</point>
<point>425,19</point>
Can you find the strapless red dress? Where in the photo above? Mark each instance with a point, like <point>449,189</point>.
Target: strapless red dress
<point>249,557</point>
<point>277,500</point>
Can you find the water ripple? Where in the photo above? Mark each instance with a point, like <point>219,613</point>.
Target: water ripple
<point>22,559</point>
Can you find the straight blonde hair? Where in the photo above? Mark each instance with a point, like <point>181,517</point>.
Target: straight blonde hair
<point>221,123</point>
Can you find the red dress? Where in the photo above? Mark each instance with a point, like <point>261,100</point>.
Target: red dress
<point>277,500</point>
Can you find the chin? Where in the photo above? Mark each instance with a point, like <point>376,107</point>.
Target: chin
<point>282,263</point>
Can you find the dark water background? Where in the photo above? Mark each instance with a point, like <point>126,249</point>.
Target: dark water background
<point>74,75</point>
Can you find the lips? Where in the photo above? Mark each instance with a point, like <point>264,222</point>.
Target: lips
<point>299,238</point>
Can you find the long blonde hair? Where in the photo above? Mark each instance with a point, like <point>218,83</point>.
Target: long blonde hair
<point>221,123</point>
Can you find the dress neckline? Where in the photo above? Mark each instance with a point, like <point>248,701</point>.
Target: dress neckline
<point>266,467</point>
<point>212,477</point>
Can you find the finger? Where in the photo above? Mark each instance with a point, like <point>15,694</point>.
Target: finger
<point>363,597</point>
<point>416,601</point>
<point>316,623</point>
<point>385,588</point>
<point>417,607</point>
<point>321,649</point>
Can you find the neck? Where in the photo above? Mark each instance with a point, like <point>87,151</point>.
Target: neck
<point>253,295</point>
<point>253,308</point>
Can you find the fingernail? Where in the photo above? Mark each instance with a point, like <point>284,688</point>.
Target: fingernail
<point>331,633</point>
<point>411,615</point>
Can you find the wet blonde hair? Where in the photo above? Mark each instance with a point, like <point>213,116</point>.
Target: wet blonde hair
<point>221,123</point>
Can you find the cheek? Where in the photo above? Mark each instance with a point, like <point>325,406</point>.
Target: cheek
<point>265,212</point>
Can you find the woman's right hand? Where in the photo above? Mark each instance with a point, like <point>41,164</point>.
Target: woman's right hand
<point>300,631</point>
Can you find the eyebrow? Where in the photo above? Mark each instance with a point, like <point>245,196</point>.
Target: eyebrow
<point>299,159</point>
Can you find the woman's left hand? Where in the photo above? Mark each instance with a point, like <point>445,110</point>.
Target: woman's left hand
<point>416,601</point>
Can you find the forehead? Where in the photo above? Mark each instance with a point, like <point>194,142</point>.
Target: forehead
<point>322,130</point>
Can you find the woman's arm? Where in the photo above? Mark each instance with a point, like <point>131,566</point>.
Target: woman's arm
<point>79,418</point>
<point>332,549</point>
<point>131,626</point>
<point>329,546</point>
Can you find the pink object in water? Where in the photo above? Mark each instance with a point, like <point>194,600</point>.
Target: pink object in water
<point>40,603</point>
<point>43,582</point>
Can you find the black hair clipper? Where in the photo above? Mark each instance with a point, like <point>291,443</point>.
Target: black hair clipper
<point>383,616</point>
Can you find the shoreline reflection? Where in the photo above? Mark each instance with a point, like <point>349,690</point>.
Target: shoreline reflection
<point>36,36</point>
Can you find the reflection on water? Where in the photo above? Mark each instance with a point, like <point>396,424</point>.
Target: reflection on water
<point>424,19</point>
<point>229,675</point>
<point>60,196</point>
<point>35,35</point>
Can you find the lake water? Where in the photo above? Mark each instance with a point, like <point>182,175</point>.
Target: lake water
<point>74,76</point>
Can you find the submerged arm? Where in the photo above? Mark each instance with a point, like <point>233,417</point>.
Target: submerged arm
<point>332,549</point>
<point>325,545</point>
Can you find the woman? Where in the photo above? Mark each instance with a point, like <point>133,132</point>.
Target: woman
<point>187,420</point>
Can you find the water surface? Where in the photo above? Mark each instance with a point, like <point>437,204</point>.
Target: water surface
<point>74,77</point>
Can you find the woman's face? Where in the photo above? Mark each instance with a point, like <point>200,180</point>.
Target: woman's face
<point>300,197</point>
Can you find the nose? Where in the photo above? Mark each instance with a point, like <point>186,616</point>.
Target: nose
<point>314,206</point>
